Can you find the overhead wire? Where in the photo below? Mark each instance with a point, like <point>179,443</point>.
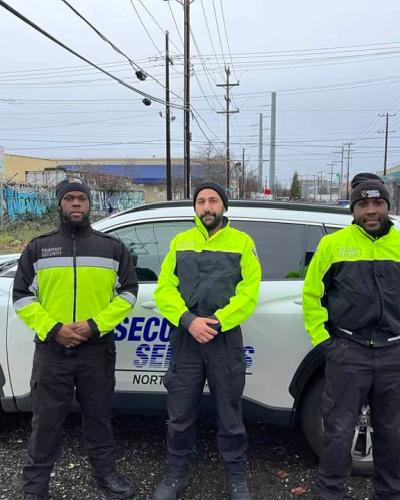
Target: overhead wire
<point>117,49</point>
<point>76,54</point>
<point>211,38</point>
<point>218,31</point>
<point>227,39</point>
<point>176,25</point>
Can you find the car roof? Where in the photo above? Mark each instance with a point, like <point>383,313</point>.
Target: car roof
<point>238,209</point>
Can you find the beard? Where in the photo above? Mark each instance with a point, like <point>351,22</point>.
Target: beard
<point>384,222</point>
<point>215,222</point>
<point>67,219</point>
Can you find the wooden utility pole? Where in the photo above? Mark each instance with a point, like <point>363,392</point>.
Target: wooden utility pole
<point>227,112</point>
<point>186,98</point>
<point>243,194</point>
<point>386,132</point>
<point>348,144</point>
<point>272,146</point>
<point>168,61</point>
<point>330,164</point>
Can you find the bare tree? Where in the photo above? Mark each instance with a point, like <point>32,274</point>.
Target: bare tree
<point>209,164</point>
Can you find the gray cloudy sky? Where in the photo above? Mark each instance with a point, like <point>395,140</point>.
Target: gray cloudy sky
<point>334,65</point>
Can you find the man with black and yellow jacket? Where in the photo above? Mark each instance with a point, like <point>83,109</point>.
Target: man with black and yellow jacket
<point>72,287</point>
<point>352,312</point>
<point>208,285</point>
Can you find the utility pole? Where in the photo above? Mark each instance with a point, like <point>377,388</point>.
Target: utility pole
<point>348,144</point>
<point>168,61</point>
<point>186,98</point>
<point>260,154</point>
<point>227,112</point>
<point>243,190</point>
<point>330,164</point>
<point>386,132</point>
<point>314,187</point>
<point>341,173</point>
<point>272,143</point>
<point>319,173</point>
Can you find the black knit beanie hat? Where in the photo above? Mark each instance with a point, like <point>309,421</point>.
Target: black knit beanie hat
<point>215,187</point>
<point>71,184</point>
<point>367,185</point>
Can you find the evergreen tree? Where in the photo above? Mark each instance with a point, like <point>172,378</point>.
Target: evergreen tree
<point>295,188</point>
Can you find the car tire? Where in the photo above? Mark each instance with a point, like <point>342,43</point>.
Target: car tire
<point>312,424</point>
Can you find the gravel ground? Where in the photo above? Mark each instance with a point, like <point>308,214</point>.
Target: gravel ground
<point>280,460</point>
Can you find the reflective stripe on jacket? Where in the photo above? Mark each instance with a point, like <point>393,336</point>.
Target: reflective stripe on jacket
<point>352,287</point>
<point>218,275</point>
<point>65,276</point>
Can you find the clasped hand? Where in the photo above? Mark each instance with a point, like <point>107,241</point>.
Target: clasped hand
<point>73,334</point>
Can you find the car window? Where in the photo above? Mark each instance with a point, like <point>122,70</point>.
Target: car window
<point>149,243</point>
<point>284,249</point>
<point>332,229</point>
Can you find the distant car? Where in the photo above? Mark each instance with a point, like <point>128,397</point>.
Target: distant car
<point>284,374</point>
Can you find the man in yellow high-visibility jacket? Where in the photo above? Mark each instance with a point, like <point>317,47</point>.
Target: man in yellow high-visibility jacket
<point>72,287</point>
<point>208,285</point>
<point>352,313</point>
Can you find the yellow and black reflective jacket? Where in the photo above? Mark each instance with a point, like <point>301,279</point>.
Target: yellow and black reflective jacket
<point>352,288</point>
<point>209,276</point>
<point>73,275</point>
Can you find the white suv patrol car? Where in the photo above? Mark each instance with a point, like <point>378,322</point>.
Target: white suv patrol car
<point>284,375</point>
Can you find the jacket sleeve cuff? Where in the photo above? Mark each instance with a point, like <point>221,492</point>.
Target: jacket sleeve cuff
<point>53,332</point>
<point>186,319</point>
<point>94,327</point>
<point>218,325</point>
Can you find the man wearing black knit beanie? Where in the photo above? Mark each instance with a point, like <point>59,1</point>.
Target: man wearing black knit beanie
<point>72,287</point>
<point>352,313</point>
<point>207,287</point>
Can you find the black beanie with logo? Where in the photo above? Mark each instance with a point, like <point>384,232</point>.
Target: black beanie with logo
<point>367,185</point>
<point>71,184</point>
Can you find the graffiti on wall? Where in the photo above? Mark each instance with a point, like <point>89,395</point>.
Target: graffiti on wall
<point>20,200</point>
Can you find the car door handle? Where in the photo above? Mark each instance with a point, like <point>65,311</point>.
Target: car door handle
<point>299,302</point>
<point>149,305</point>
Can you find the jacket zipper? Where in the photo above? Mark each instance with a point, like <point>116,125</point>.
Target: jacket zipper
<point>75,277</point>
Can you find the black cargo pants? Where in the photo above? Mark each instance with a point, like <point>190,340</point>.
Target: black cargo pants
<point>354,374</point>
<point>89,369</point>
<point>222,363</point>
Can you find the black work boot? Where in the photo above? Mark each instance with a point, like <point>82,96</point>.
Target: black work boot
<point>170,487</point>
<point>236,488</point>
<point>116,485</point>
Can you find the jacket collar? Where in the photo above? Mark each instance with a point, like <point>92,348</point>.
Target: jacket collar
<point>79,232</point>
<point>385,231</point>
<point>203,230</point>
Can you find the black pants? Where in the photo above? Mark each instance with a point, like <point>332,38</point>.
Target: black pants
<point>89,369</point>
<point>354,374</point>
<point>222,363</point>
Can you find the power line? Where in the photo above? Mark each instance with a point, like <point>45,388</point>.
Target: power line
<point>146,30</point>
<point>140,72</point>
<point>227,39</point>
<point>157,23</point>
<point>210,37</point>
<point>219,34</point>
<point>176,25</point>
<point>61,44</point>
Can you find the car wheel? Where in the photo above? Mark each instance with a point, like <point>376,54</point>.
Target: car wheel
<point>313,429</point>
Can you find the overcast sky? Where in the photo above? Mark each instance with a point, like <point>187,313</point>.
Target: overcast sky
<point>334,66</point>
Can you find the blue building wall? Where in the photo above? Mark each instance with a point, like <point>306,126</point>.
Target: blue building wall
<point>145,174</point>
